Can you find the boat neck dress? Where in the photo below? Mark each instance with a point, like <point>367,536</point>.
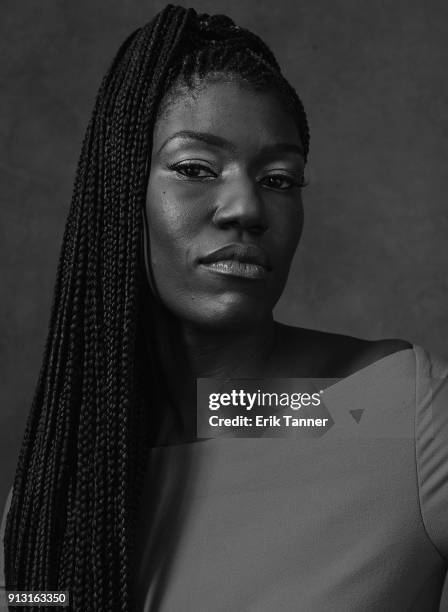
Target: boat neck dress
<point>355,520</point>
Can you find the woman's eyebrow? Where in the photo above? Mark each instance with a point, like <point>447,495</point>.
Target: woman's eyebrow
<point>210,139</point>
<point>222,143</point>
<point>282,147</point>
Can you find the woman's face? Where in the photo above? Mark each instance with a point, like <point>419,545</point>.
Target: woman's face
<point>224,204</point>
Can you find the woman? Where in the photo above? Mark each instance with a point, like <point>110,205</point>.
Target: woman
<point>185,217</point>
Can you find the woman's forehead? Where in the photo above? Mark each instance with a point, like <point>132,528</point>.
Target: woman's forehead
<point>229,110</point>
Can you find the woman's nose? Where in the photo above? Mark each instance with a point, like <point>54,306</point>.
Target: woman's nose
<point>241,205</point>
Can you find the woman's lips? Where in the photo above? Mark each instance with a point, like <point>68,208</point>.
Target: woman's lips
<point>237,259</point>
<point>233,267</point>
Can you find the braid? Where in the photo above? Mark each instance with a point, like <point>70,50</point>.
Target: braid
<point>78,482</point>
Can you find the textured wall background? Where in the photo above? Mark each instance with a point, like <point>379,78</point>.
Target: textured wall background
<point>373,79</point>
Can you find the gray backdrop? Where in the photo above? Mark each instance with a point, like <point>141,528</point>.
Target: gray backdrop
<point>372,76</point>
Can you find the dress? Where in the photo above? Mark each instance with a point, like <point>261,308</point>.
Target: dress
<point>356,520</point>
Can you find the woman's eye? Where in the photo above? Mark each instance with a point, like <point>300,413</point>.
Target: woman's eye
<point>193,170</point>
<point>280,182</point>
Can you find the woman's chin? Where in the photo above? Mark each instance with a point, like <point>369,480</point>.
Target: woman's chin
<point>229,317</point>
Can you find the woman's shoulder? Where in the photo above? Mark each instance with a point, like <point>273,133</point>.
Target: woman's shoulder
<point>324,354</point>
<point>363,353</point>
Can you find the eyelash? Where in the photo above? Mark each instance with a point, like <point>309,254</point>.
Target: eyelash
<point>181,166</point>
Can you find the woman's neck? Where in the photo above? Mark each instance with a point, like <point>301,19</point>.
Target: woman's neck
<point>229,354</point>
<point>188,353</point>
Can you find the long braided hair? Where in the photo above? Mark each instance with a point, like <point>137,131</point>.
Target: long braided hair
<point>76,493</point>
